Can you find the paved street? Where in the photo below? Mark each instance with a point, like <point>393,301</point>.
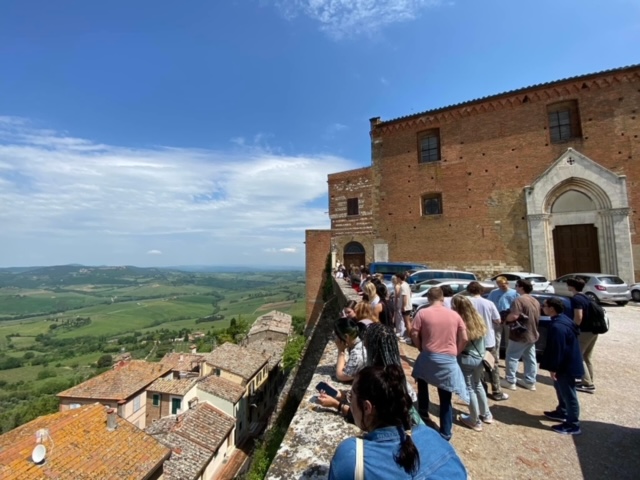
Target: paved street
<point>520,444</point>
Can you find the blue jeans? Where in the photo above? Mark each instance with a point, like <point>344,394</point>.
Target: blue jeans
<point>568,405</point>
<point>472,369</point>
<point>526,351</point>
<point>446,409</point>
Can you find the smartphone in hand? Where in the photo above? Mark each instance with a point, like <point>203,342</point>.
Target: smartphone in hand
<point>328,389</point>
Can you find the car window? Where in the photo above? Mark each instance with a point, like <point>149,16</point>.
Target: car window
<point>466,276</point>
<point>537,278</point>
<point>611,280</point>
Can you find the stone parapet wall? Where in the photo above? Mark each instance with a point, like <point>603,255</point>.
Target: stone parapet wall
<point>314,432</point>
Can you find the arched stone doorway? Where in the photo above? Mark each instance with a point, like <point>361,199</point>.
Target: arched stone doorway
<point>578,219</point>
<point>354,254</point>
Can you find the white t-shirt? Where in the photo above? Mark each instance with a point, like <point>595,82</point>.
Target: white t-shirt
<point>488,311</point>
<point>405,291</point>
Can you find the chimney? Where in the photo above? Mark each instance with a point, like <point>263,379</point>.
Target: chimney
<point>111,419</point>
<point>194,349</point>
<point>181,357</point>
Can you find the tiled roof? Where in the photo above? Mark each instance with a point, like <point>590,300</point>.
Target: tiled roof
<point>172,386</point>
<point>222,388</point>
<point>183,362</point>
<point>240,361</point>
<point>270,348</point>
<point>193,438</point>
<point>80,447</point>
<point>510,92</point>
<point>273,321</point>
<point>120,383</point>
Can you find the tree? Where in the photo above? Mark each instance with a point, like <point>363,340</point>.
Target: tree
<point>104,361</point>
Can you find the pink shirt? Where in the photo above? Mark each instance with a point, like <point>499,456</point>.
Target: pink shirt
<point>441,330</point>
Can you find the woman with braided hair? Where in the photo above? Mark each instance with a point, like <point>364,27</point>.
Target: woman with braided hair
<point>391,447</point>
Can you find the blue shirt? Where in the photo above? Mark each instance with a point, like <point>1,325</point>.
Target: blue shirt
<point>503,300</point>
<point>438,459</point>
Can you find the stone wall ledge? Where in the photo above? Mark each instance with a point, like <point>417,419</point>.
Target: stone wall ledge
<point>315,431</point>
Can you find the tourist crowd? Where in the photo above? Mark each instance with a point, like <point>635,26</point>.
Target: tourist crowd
<point>459,340</point>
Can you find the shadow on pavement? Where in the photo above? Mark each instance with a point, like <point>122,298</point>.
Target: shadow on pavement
<point>514,416</point>
<point>608,451</point>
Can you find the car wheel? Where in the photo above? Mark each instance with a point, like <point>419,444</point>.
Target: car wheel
<point>592,296</point>
<point>621,304</point>
<point>635,294</point>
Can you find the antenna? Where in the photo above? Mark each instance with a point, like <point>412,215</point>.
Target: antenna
<point>38,455</point>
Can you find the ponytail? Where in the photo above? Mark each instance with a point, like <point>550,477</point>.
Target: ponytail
<point>385,387</point>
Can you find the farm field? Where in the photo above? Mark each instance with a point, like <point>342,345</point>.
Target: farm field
<point>57,328</point>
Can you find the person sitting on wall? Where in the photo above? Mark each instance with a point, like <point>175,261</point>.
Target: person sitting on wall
<point>381,345</point>
<point>351,353</point>
<point>392,447</point>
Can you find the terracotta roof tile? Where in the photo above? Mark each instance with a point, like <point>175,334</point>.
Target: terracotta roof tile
<point>80,447</point>
<point>222,388</point>
<point>193,438</point>
<point>120,383</point>
<point>273,321</point>
<point>270,348</point>
<point>183,362</point>
<point>238,360</point>
<point>172,386</point>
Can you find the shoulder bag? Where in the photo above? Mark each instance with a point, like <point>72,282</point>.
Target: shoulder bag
<point>488,361</point>
<point>358,473</point>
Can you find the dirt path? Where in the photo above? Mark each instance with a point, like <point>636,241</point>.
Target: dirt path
<point>520,444</point>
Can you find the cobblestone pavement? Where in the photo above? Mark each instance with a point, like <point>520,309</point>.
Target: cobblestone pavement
<point>520,444</point>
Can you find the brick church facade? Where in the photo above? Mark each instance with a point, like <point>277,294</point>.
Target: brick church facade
<point>542,179</point>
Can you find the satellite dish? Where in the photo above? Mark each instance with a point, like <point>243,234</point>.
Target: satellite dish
<point>38,454</point>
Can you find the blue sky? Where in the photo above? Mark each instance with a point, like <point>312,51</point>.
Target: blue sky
<point>201,132</point>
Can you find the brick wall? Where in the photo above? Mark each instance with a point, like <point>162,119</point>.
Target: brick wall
<point>317,247</point>
<point>490,150</point>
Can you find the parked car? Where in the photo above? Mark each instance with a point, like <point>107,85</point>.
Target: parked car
<point>420,276</point>
<point>389,269</point>
<point>635,292</point>
<point>599,287</point>
<point>539,282</point>
<point>419,298</point>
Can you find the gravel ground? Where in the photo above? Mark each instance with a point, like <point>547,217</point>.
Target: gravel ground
<point>520,444</point>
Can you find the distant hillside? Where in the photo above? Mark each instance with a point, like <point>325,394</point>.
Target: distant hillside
<point>65,276</point>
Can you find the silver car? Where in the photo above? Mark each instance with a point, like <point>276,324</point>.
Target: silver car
<point>600,287</point>
<point>538,282</point>
<point>458,286</point>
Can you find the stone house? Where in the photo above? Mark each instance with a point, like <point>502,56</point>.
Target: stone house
<point>200,440</point>
<point>539,179</point>
<point>124,388</point>
<point>169,396</point>
<point>247,368</point>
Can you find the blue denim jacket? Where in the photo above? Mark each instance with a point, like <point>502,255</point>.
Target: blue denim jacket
<point>438,459</point>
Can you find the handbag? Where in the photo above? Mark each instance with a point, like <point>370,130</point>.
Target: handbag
<point>488,360</point>
<point>358,473</point>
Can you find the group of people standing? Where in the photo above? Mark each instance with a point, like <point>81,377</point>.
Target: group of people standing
<point>459,340</point>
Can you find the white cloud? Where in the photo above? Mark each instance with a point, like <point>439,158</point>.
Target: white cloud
<point>66,199</point>
<point>154,252</point>
<point>342,18</point>
<point>384,81</point>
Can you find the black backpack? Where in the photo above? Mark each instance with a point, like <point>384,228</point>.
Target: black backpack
<point>597,319</point>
